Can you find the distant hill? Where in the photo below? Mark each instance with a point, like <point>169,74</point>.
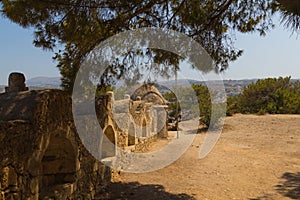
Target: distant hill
<point>2,88</point>
<point>232,87</point>
<point>39,83</point>
<point>44,82</point>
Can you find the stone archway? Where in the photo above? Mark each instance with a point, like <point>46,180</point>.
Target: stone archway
<point>154,121</point>
<point>144,128</point>
<point>153,97</point>
<point>108,147</point>
<point>131,134</point>
<point>58,168</point>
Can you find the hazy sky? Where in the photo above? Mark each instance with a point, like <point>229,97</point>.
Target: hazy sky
<point>275,55</point>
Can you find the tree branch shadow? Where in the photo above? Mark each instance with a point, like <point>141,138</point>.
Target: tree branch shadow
<point>137,191</point>
<point>290,186</point>
<point>264,197</point>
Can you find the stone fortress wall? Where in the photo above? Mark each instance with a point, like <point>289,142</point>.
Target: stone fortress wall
<point>41,153</point>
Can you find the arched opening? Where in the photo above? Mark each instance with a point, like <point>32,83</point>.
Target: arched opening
<point>153,97</point>
<point>108,148</point>
<point>131,135</point>
<point>154,122</point>
<point>58,167</point>
<point>144,128</point>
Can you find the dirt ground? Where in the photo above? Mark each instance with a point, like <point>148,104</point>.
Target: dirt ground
<point>256,158</point>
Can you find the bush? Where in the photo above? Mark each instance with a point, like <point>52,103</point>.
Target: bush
<point>190,110</point>
<point>262,111</point>
<point>232,105</point>
<point>271,95</point>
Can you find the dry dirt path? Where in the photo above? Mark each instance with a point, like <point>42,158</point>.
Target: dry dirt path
<point>256,157</point>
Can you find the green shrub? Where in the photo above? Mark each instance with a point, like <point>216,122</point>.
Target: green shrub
<point>201,109</point>
<point>271,95</point>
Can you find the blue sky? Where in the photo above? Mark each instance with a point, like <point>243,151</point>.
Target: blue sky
<point>276,54</point>
<point>17,53</point>
<point>271,56</point>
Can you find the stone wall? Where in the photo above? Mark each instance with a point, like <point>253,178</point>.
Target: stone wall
<point>136,124</point>
<point>41,155</point>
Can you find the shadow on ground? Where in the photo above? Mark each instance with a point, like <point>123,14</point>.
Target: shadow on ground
<point>137,191</point>
<point>290,186</point>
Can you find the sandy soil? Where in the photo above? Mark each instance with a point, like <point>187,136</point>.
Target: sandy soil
<point>256,157</point>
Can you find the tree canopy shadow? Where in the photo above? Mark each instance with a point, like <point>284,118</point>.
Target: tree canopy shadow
<point>290,186</point>
<point>137,191</point>
<point>264,197</point>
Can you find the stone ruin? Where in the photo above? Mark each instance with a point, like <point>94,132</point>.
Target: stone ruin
<point>129,124</point>
<point>16,83</point>
<point>41,154</point>
<point>150,95</point>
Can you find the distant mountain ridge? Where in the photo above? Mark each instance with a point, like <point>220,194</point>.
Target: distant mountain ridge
<point>44,82</point>
<point>232,87</point>
<point>39,83</point>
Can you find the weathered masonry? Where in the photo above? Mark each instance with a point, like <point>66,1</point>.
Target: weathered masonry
<point>41,154</point>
